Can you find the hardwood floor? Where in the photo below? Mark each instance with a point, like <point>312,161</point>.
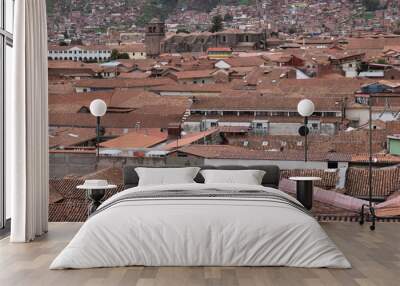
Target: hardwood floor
<point>375,257</point>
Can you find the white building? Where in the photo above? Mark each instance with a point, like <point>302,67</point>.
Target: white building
<point>80,53</point>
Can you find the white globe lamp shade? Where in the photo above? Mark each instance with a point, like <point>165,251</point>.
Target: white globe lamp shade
<point>305,108</point>
<point>98,107</point>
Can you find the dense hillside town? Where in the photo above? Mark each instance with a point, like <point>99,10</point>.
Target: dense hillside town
<point>100,22</point>
<point>193,87</point>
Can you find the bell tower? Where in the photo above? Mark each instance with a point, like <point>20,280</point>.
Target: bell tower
<point>155,33</point>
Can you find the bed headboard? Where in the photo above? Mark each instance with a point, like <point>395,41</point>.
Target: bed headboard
<point>271,178</point>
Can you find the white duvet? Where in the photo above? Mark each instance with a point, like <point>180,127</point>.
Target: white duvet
<point>200,232</point>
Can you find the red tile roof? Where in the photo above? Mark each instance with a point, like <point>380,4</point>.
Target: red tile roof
<point>193,74</point>
<point>189,139</point>
<point>144,138</point>
<point>123,83</point>
<point>68,136</point>
<point>384,182</point>
<point>73,208</point>
<point>235,152</point>
<point>261,102</point>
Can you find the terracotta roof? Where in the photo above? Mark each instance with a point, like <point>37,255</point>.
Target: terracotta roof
<point>138,100</point>
<point>314,87</point>
<point>314,41</point>
<point>236,62</point>
<point>371,43</point>
<point>234,152</point>
<point>67,136</point>
<point>60,87</point>
<point>113,175</point>
<point>189,139</point>
<point>73,208</point>
<point>81,47</point>
<point>123,83</point>
<point>190,88</point>
<point>71,65</point>
<point>134,75</point>
<point>260,102</point>
<point>143,138</point>
<point>329,177</point>
<point>193,74</point>
<point>385,181</point>
<point>378,158</point>
<point>149,120</point>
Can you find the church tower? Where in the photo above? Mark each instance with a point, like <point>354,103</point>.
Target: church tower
<point>155,33</point>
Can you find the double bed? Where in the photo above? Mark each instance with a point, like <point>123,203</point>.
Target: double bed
<point>201,224</point>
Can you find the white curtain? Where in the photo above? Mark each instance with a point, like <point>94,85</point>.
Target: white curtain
<point>27,124</point>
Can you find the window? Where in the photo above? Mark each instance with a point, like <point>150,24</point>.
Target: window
<point>214,124</point>
<point>6,43</point>
<point>333,165</point>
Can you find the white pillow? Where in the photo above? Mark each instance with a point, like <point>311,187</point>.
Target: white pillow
<point>247,177</point>
<point>166,176</point>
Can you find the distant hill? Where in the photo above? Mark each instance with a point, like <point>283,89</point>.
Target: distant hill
<point>157,8</point>
<point>162,8</point>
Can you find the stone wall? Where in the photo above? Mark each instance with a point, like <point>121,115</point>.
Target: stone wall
<point>80,164</point>
<point>186,43</point>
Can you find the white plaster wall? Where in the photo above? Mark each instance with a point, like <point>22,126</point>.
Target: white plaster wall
<point>187,93</point>
<point>284,128</point>
<point>363,115</point>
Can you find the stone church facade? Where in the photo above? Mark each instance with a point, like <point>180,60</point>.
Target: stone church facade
<point>157,43</point>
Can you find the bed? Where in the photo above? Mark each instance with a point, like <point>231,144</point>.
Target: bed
<point>197,224</point>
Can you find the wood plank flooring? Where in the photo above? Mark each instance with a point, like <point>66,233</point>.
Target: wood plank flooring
<point>375,257</point>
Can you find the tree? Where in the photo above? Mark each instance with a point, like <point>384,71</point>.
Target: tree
<point>292,30</point>
<point>371,5</point>
<point>228,18</point>
<point>182,30</point>
<point>381,62</point>
<point>114,55</point>
<point>123,56</point>
<point>217,24</point>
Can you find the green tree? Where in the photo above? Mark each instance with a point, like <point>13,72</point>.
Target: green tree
<point>371,5</point>
<point>217,24</point>
<point>381,61</point>
<point>123,56</point>
<point>228,18</point>
<point>182,30</point>
<point>114,55</point>
<point>292,30</point>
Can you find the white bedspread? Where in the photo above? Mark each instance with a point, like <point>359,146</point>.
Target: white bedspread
<point>200,232</point>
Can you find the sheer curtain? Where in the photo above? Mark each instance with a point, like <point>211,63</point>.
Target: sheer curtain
<point>27,124</point>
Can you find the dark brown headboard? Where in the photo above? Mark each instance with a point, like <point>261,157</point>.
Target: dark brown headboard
<point>271,178</point>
